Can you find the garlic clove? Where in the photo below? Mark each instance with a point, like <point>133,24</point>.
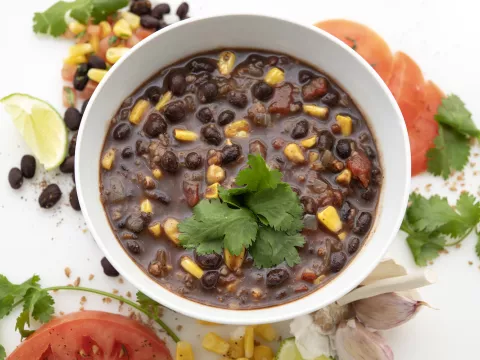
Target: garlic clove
<point>354,341</point>
<point>386,311</point>
<point>310,341</point>
<point>330,316</point>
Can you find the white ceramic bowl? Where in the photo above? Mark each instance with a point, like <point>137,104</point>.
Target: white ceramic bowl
<point>306,43</point>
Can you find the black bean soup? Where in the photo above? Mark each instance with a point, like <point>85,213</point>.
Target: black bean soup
<point>193,124</point>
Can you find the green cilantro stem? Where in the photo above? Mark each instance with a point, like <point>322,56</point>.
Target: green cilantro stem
<point>458,241</point>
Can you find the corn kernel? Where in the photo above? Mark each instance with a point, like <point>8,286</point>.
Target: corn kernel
<point>215,174</point>
<point>185,135</point>
<point>242,134</point>
<point>243,358</point>
<point>345,123</point>
<point>207,323</point>
<point>122,29</point>
<point>96,74</point>
<point>294,153</point>
<point>108,158</point>
<point>226,62</point>
<point>170,226</point>
<point>212,191</point>
<point>249,341</point>
<point>157,173</point>
<point>146,206</point>
<point>75,60</point>
<point>342,236</point>
<point>132,19</point>
<point>309,142</point>
<point>234,262</point>
<point>237,348</point>
<point>138,110</point>
<point>164,100</point>
<point>95,42</point>
<point>266,332</point>
<point>214,343</point>
<point>262,352</point>
<point>184,351</point>
<point>190,266</point>
<point>319,280</point>
<point>320,112</point>
<point>344,177</point>
<point>155,229</point>
<point>313,156</point>
<point>232,129</point>
<point>330,219</point>
<point>115,53</point>
<point>105,29</point>
<point>76,27</point>
<point>80,49</point>
<point>274,76</point>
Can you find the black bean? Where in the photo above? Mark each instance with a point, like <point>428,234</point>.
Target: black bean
<point>84,105</point>
<point>212,135</point>
<point>325,140</point>
<point>153,93</point>
<point>343,148</point>
<point>226,117</point>
<point>237,99</point>
<point>162,24</point>
<point>175,111</point>
<point>72,118</point>
<point>122,131</point>
<point>68,165</point>
<point>208,261</point>
<point>73,178</point>
<point>80,81</point>
<point>135,222</point>
<point>300,129</point>
<point>182,11</point>
<point>353,245</point>
<point>82,69</point>
<point>108,268</point>
<point>127,152</point>
<point>134,247</point>
<point>141,147</point>
<point>141,7</point>
<point>96,62</point>
<point>231,153</point>
<point>362,225</point>
<point>169,162</point>
<point>377,177</point>
<point>309,204</point>
<point>209,279</point>
<point>28,165</point>
<point>202,64</point>
<point>15,178</point>
<point>50,196</point>
<point>207,92</point>
<point>160,10</point>
<point>277,277</point>
<point>177,84</point>
<point>337,261</point>
<point>149,22</point>
<point>262,91</point>
<point>158,195</point>
<point>193,161</point>
<point>330,98</point>
<point>369,194</point>
<point>370,152</point>
<point>155,125</point>
<point>75,204</point>
<point>345,210</point>
<point>304,76</point>
<point>72,145</point>
<point>205,115</point>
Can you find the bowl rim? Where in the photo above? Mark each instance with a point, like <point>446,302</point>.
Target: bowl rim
<point>224,314</point>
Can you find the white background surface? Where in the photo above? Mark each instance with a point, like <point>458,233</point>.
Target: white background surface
<point>443,37</point>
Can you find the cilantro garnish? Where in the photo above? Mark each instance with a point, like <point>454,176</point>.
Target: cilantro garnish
<point>432,224</point>
<point>3,354</point>
<point>264,216</point>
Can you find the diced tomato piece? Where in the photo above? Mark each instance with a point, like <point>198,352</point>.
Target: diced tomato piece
<point>68,72</point>
<point>69,97</point>
<point>143,33</point>
<point>132,41</point>
<point>88,91</point>
<point>366,42</point>
<point>315,89</point>
<point>361,167</point>
<point>94,30</point>
<point>281,100</point>
<point>105,44</point>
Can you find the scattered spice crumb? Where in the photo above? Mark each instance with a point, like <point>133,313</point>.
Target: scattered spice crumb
<point>90,277</point>
<point>81,308</point>
<point>76,283</point>
<point>120,280</point>
<point>83,300</point>
<point>68,272</point>
<point>129,294</point>
<point>107,300</point>
<point>61,313</point>
<point>115,291</point>
<point>458,246</point>
<point>453,187</point>
<point>470,263</point>
<point>427,187</point>
<point>444,251</point>
<point>179,327</point>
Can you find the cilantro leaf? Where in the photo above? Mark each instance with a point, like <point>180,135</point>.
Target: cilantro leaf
<point>280,207</point>
<point>258,176</point>
<point>103,8</point>
<point>273,247</point>
<point>149,304</point>
<point>468,215</point>
<point>3,353</point>
<point>451,152</point>
<point>452,112</point>
<point>214,221</point>
<point>22,321</point>
<point>425,247</point>
<point>477,246</point>
<point>9,293</point>
<point>232,196</point>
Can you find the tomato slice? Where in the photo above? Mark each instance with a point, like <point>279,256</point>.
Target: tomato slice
<point>366,42</point>
<point>92,335</point>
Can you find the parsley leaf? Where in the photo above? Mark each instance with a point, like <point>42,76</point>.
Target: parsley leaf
<point>214,221</point>
<point>258,176</point>
<point>451,152</point>
<point>452,112</point>
<point>273,247</point>
<point>3,353</point>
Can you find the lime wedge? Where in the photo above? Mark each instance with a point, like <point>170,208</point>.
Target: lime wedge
<point>41,126</point>
<point>288,351</point>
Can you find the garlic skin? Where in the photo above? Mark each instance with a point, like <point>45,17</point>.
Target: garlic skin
<point>353,341</point>
<point>310,340</point>
<point>330,316</point>
<point>386,311</point>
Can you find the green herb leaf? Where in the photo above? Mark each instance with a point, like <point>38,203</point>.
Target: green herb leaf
<point>3,353</point>
<point>452,112</point>
<point>112,40</point>
<point>214,221</point>
<point>450,153</point>
<point>144,300</point>
<point>477,247</point>
<point>70,95</point>
<point>280,207</point>
<point>23,321</point>
<point>273,247</point>
<point>233,197</point>
<point>258,176</point>
<point>103,8</point>
<point>425,247</point>
<point>10,293</point>
<point>39,303</point>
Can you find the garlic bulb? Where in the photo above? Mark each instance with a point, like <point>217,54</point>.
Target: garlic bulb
<point>355,342</point>
<point>310,340</point>
<point>386,311</point>
<point>330,316</point>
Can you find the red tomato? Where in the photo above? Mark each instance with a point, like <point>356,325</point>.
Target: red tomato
<point>132,41</point>
<point>92,335</point>
<point>366,42</point>
<point>143,33</point>
<point>88,91</point>
<point>104,45</point>
<point>68,72</point>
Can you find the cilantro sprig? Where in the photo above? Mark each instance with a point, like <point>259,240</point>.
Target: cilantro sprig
<point>432,224</point>
<point>452,146</point>
<point>263,215</point>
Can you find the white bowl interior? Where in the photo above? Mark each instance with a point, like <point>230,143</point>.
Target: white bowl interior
<point>257,32</point>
